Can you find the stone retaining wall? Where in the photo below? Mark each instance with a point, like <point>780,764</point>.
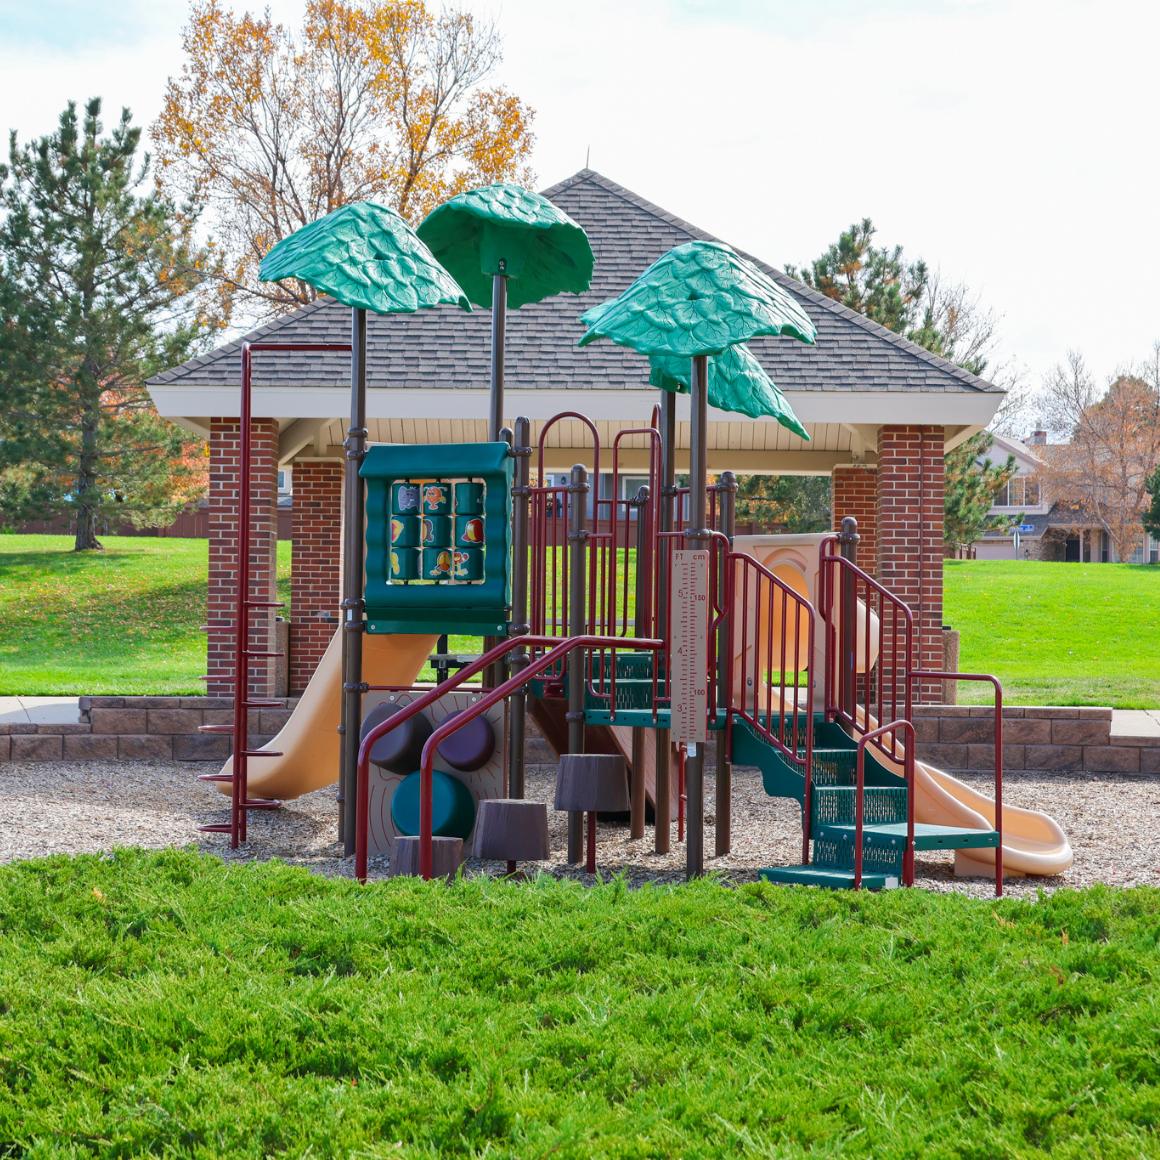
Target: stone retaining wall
<point>952,737</point>
<point>1042,739</point>
<point>140,728</point>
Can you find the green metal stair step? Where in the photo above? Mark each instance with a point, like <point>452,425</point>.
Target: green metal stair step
<point>833,877</point>
<point>926,837</point>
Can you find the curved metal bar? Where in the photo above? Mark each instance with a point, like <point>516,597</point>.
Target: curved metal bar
<point>497,694</point>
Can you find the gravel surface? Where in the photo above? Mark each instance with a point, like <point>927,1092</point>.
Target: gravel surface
<point>89,807</point>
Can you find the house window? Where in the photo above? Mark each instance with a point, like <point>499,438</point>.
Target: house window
<point>1018,492</point>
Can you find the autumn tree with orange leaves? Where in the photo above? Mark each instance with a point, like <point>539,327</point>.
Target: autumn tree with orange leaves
<point>1100,474</point>
<point>381,101</point>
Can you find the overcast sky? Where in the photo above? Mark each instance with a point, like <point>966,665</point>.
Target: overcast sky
<point>1011,143</point>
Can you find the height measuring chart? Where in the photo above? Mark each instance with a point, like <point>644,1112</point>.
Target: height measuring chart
<point>689,600</point>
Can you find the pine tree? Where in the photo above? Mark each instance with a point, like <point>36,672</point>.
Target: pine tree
<point>969,490</point>
<point>873,280</point>
<point>99,284</point>
<point>800,502</point>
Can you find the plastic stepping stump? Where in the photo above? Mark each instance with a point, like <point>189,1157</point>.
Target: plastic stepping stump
<point>401,750</point>
<point>446,858</point>
<point>512,831</point>
<point>471,745</point>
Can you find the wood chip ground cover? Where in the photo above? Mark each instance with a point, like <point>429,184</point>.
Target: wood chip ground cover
<point>168,1003</point>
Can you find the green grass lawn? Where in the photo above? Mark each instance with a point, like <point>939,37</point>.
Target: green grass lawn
<point>124,620</point>
<point>1057,634</point>
<point>166,1004</point>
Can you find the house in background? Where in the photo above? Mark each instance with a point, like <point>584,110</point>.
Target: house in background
<point>1046,532</point>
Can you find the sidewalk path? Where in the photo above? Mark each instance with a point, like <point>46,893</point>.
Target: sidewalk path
<point>39,710</point>
<point>1135,723</point>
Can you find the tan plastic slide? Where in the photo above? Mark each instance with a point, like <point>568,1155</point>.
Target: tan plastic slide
<point>1033,842</point>
<point>308,742</point>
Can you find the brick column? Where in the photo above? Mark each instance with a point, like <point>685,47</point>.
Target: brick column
<point>225,452</point>
<point>316,572</point>
<point>854,492</point>
<point>910,536</point>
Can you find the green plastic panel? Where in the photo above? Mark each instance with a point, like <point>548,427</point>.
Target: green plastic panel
<point>737,383</point>
<point>364,255</point>
<point>479,609</point>
<point>831,877</point>
<point>699,298</point>
<point>542,250</point>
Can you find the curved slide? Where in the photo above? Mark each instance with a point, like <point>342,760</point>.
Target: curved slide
<point>1033,842</point>
<point>308,742</point>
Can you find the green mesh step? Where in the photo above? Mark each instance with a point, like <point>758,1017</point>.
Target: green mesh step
<point>926,837</point>
<point>830,876</point>
<point>882,804</point>
<point>631,693</point>
<point>834,766</point>
<point>837,853</point>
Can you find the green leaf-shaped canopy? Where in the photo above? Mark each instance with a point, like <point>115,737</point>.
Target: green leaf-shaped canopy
<point>543,250</point>
<point>364,255</point>
<point>697,299</point>
<point>737,382</point>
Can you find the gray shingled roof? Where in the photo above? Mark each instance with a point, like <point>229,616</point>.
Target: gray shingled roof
<point>444,347</point>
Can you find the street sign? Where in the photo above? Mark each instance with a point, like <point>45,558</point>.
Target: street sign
<point>1027,527</point>
<point>689,661</point>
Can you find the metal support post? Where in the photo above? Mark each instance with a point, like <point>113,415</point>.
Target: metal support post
<point>493,676</point>
<point>662,795</point>
<point>848,666</point>
<point>723,837</point>
<point>498,328</point>
<point>697,537</point>
<point>353,623</point>
<point>577,624</point>
<point>641,628</point>
<point>521,508</point>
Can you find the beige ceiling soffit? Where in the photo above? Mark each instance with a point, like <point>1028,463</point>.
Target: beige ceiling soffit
<point>635,459</point>
<point>297,435</point>
<point>198,424</point>
<point>954,436</point>
<point>863,440</point>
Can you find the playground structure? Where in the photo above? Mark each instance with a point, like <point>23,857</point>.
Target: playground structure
<point>634,625</point>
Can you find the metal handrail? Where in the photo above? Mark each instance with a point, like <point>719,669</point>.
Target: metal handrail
<point>806,736</point>
<point>426,769</point>
<point>929,675</point>
<point>860,801</point>
<point>900,667</point>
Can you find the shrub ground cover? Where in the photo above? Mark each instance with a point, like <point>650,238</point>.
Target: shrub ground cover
<point>169,1004</point>
<point>1057,634</point>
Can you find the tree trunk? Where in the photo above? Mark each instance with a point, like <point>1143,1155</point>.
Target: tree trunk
<point>86,540</point>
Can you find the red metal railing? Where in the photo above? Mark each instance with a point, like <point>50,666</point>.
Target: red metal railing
<point>998,826</point>
<point>426,769</point>
<point>763,665</point>
<point>886,648</point>
<point>240,801</point>
<point>893,728</point>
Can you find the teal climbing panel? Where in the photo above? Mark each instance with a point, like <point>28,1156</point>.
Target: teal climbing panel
<point>438,538</point>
